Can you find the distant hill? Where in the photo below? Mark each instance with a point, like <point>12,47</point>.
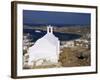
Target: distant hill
<point>58,25</point>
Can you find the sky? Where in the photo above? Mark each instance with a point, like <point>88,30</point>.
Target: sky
<point>31,17</point>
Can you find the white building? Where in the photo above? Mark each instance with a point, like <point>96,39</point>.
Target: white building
<point>47,48</point>
<point>69,44</point>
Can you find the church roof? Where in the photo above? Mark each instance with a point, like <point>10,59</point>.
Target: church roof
<point>50,37</point>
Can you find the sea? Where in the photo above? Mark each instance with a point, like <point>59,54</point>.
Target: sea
<point>36,34</point>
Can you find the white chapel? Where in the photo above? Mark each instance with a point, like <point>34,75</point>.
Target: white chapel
<point>47,47</point>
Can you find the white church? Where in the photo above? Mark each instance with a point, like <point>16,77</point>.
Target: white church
<point>47,47</point>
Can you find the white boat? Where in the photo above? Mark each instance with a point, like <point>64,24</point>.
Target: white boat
<point>37,31</point>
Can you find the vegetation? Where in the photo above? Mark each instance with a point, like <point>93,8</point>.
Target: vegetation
<point>77,56</point>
